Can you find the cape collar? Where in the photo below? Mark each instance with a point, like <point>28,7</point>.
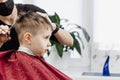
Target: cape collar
<point>26,50</point>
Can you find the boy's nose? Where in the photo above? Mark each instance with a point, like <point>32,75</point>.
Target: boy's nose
<point>49,44</point>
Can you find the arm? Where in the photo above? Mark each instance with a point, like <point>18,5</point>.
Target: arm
<point>63,36</point>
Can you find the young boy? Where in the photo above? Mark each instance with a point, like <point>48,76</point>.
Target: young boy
<point>34,31</point>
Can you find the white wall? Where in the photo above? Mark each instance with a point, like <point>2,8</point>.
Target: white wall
<point>18,1</point>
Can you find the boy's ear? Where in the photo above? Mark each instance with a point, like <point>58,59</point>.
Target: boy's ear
<point>27,37</point>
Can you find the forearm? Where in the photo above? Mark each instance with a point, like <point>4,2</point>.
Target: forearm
<point>63,36</point>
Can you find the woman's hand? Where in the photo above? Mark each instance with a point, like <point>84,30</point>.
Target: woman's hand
<point>61,35</point>
<point>4,34</point>
<point>45,15</point>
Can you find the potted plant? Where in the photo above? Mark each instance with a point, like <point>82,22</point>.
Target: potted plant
<point>74,33</point>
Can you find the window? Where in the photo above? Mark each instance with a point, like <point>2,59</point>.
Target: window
<point>106,24</point>
<point>106,39</point>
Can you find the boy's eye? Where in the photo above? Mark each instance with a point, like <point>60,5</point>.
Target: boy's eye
<point>46,37</point>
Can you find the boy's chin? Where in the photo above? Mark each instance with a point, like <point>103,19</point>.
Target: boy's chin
<point>41,54</point>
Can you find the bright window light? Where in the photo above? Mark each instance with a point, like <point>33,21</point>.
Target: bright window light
<point>107,23</point>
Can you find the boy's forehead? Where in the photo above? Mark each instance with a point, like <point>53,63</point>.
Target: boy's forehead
<point>49,28</point>
<point>45,31</point>
<point>45,27</point>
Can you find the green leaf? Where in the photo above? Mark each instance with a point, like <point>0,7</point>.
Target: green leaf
<point>55,18</point>
<point>48,52</point>
<point>59,48</point>
<point>72,47</point>
<point>52,42</point>
<point>76,44</point>
<point>79,38</point>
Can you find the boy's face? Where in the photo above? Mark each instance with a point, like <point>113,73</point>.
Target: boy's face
<point>40,42</point>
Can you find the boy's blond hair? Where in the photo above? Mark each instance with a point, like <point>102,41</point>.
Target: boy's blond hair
<point>30,22</point>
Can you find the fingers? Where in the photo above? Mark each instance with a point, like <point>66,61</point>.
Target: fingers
<point>4,30</point>
<point>4,34</point>
<point>45,15</point>
<point>0,31</point>
<point>3,39</point>
<point>42,14</point>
